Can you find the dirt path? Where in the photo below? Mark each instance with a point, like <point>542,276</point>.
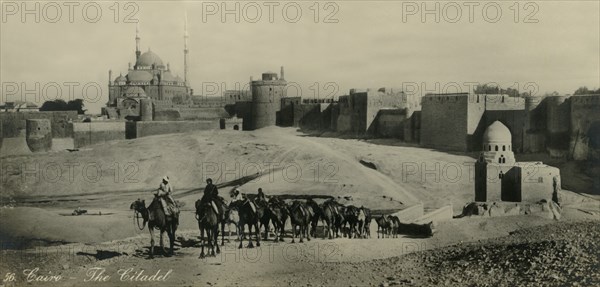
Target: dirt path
<point>318,262</point>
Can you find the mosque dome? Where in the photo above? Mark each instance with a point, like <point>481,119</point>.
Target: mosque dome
<point>135,92</point>
<point>148,59</point>
<point>497,132</point>
<point>120,78</point>
<point>139,76</point>
<point>167,76</point>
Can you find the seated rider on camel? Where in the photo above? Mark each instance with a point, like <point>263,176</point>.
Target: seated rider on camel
<point>165,197</point>
<point>211,193</point>
<point>236,194</point>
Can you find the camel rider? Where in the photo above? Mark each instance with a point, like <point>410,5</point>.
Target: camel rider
<point>164,194</point>
<point>236,194</point>
<point>211,193</point>
<point>261,195</point>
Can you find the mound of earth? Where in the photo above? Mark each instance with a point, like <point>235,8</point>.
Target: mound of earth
<point>552,255</point>
<point>286,163</point>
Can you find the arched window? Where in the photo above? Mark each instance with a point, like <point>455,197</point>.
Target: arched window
<point>503,148</point>
<point>500,175</point>
<point>489,147</point>
<point>496,147</point>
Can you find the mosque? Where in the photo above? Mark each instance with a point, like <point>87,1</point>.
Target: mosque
<point>498,177</point>
<point>152,86</point>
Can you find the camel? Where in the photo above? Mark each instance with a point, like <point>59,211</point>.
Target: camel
<point>208,221</point>
<point>300,217</point>
<point>367,224</point>
<point>329,215</point>
<point>315,213</point>
<point>250,215</point>
<point>232,216</point>
<point>159,221</point>
<point>383,225</point>
<point>278,212</point>
<point>351,217</point>
<point>394,225</point>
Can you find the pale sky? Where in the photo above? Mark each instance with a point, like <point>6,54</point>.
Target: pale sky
<point>370,46</point>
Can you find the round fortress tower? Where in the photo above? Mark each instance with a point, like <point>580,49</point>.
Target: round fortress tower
<point>38,134</point>
<point>266,100</point>
<point>531,103</point>
<point>146,110</point>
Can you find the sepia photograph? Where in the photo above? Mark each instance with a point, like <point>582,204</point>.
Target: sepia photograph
<point>299,143</point>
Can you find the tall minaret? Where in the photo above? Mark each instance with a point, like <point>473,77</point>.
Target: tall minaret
<point>281,77</point>
<point>137,42</point>
<point>185,52</point>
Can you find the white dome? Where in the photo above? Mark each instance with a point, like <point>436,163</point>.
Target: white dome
<point>497,132</point>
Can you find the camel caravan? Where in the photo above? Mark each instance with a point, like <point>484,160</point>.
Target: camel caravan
<point>259,212</point>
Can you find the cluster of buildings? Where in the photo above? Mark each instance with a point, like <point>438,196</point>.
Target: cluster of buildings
<point>560,125</point>
<point>18,106</point>
<point>150,98</point>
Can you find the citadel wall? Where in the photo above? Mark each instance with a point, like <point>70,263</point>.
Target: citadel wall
<point>343,122</point>
<point>448,120</point>
<point>90,133</point>
<point>558,112</point>
<point>144,129</point>
<point>11,124</point>
<point>390,123</point>
<point>585,120</point>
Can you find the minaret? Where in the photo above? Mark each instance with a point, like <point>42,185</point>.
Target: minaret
<point>137,42</point>
<point>109,77</point>
<point>185,52</point>
<point>281,77</point>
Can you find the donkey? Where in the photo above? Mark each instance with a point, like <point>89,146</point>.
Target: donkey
<point>155,216</point>
<point>208,221</point>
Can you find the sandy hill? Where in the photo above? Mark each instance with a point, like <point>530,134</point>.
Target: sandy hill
<point>287,163</point>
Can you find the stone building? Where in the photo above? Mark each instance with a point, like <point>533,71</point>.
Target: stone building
<point>498,177</point>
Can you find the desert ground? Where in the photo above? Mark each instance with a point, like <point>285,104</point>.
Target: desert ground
<point>41,240</point>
